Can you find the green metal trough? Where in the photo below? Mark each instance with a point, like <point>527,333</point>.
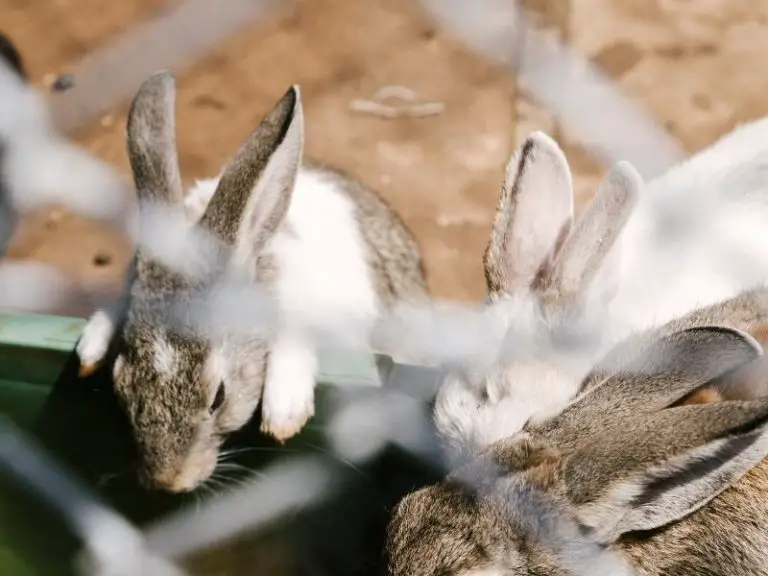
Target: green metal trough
<point>34,350</point>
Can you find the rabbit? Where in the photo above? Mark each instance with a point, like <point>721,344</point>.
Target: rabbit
<point>623,480</point>
<point>549,283</point>
<point>41,167</point>
<point>634,272</point>
<point>324,245</point>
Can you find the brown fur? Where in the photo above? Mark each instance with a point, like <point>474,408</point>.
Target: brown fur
<point>560,493</point>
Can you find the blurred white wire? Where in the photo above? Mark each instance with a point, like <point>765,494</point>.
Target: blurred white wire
<point>182,33</point>
<point>588,104</point>
<point>284,487</point>
<point>113,546</point>
<point>39,166</point>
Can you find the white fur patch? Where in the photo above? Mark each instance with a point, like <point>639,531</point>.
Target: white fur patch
<point>288,400</point>
<point>698,235</point>
<point>95,338</point>
<point>165,358</point>
<point>198,196</point>
<point>323,277</point>
<point>215,370</point>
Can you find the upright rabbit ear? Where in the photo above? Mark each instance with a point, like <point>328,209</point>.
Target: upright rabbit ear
<point>645,473</point>
<point>255,190</point>
<point>589,249</point>
<point>534,213</point>
<point>152,141</point>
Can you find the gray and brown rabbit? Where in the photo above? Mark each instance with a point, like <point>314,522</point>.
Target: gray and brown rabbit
<point>629,478</point>
<point>325,248</point>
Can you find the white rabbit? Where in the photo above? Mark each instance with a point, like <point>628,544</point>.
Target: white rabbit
<point>634,260</point>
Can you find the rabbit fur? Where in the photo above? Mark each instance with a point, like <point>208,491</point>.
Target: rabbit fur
<point>626,479</point>
<point>562,292</point>
<point>326,248</point>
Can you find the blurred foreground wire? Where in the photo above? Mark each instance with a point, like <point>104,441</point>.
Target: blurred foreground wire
<point>177,37</point>
<point>114,547</point>
<point>588,103</point>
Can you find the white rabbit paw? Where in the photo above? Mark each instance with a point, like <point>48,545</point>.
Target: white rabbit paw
<point>286,411</point>
<point>94,342</point>
<point>289,392</point>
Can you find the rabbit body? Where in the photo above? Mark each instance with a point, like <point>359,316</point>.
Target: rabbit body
<point>329,252</point>
<point>697,234</point>
<point>626,479</point>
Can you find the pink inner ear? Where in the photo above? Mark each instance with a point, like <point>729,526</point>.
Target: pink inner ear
<point>701,396</point>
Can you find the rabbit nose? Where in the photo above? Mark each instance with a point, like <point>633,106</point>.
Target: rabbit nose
<point>171,481</point>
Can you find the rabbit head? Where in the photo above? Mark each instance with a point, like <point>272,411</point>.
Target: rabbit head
<point>182,387</point>
<point>626,475</point>
<point>549,284</point>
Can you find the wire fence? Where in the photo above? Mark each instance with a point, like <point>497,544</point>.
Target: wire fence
<point>589,108</point>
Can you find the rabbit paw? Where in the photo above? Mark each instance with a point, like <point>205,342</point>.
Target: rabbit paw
<point>289,391</point>
<point>94,342</point>
<point>285,412</point>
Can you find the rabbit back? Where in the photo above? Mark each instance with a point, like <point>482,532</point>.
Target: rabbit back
<point>698,234</point>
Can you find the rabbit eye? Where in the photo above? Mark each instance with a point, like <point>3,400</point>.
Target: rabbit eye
<point>218,400</point>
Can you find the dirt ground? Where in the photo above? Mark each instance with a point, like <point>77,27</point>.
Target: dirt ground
<point>693,65</point>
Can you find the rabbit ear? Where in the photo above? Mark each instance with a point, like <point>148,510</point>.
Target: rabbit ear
<point>535,207</point>
<point>152,141</point>
<point>592,244</point>
<point>642,476</point>
<point>255,190</point>
<point>644,376</point>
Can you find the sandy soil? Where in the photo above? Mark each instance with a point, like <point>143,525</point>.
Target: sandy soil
<point>692,65</point>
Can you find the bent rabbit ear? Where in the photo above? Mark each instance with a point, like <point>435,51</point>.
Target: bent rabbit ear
<point>643,377</point>
<point>534,212</point>
<point>646,474</point>
<point>255,190</point>
<point>151,133</point>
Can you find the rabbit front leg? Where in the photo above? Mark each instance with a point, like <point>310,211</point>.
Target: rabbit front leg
<point>97,335</point>
<point>288,401</point>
